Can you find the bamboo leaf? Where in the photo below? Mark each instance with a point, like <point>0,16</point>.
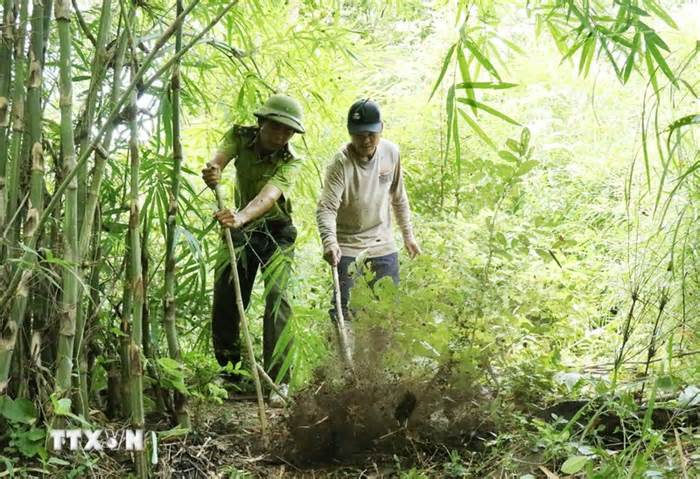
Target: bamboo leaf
<point>661,13</point>
<point>166,120</point>
<point>652,37</point>
<point>513,46</point>
<point>450,106</point>
<point>571,51</point>
<point>486,85</point>
<point>481,58</point>
<point>488,109</point>
<point>587,55</point>
<point>690,88</point>
<point>651,48</point>
<point>558,38</point>
<point>629,64</point>
<point>652,71</point>
<point>477,129</point>
<point>464,71</point>
<point>685,121</point>
<point>445,64</point>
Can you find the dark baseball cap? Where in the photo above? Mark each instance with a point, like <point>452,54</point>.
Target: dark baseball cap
<point>364,116</point>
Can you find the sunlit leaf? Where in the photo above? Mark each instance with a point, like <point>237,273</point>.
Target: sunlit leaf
<point>481,58</point>
<point>477,129</point>
<point>445,64</point>
<point>488,109</point>
<point>487,85</point>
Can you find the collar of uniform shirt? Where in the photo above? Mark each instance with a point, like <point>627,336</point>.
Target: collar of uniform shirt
<point>264,157</point>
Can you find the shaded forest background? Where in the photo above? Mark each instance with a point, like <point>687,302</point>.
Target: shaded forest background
<point>550,152</point>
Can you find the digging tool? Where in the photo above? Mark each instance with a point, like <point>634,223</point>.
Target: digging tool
<point>345,351</point>
<point>273,386</point>
<point>241,314</point>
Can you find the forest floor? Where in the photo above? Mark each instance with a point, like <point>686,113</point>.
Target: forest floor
<point>230,446</point>
<point>366,430</point>
<point>228,443</point>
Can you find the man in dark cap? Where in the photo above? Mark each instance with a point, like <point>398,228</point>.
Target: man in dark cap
<point>263,232</point>
<point>363,183</point>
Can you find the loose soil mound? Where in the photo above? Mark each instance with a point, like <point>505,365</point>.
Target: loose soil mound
<point>334,421</point>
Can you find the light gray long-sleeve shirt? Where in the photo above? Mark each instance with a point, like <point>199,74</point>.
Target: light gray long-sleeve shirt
<point>354,209</point>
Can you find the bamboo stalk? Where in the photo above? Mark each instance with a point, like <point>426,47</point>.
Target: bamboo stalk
<point>28,257</point>
<point>169,314</point>
<point>17,119</point>
<point>162,397</point>
<point>100,155</point>
<point>82,136</point>
<point>136,277</point>
<point>97,74</point>
<point>94,282</point>
<point>34,107</point>
<point>88,316</point>
<point>241,314</point>
<point>124,340</point>
<point>36,198</point>
<point>83,26</point>
<point>67,324</point>
<point>6,41</point>
<point>48,7</point>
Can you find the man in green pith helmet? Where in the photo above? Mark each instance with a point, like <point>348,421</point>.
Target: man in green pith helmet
<point>261,223</point>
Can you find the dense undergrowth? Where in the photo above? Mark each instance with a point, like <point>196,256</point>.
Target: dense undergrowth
<point>549,329</point>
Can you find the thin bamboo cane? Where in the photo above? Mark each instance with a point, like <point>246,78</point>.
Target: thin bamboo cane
<point>97,75</point>
<point>169,314</point>
<point>100,158</point>
<point>87,230</point>
<point>94,281</point>
<point>89,313</point>
<point>162,397</point>
<point>28,257</point>
<point>125,328</point>
<point>241,314</point>
<point>136,276</point>
<point>67,324</point>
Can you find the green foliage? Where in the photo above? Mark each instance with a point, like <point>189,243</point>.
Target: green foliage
<point>20,434</point>
<point>553,178</point>
<point>19,410</point>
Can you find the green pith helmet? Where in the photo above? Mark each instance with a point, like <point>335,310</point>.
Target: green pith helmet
<point>283,109</point>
